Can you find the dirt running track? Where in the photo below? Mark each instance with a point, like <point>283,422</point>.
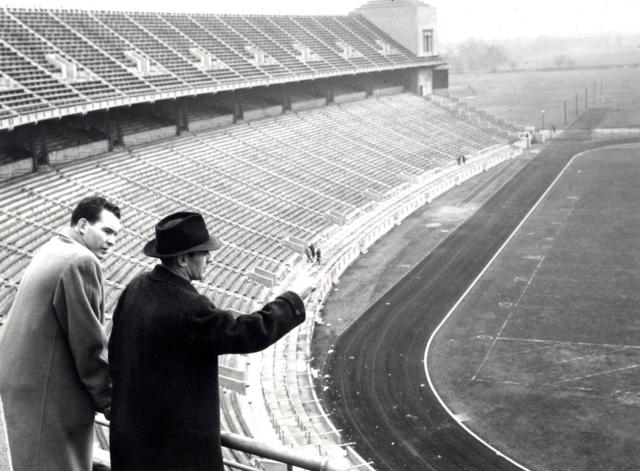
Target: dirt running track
<point>377,388</point>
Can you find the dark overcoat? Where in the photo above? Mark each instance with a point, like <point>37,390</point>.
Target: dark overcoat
<point>163,353</point>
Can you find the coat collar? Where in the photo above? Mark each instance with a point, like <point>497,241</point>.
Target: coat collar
<point>164,275</point>
<point>67,234</point>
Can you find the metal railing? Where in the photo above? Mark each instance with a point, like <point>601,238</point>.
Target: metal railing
<point>288,456</point>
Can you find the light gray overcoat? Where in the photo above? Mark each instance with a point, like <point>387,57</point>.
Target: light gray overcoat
<point>53,362</point>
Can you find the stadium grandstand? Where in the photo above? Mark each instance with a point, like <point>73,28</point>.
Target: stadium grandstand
<point>282,130</point>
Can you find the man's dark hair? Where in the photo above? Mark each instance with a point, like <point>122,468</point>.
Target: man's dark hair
<point>173,260</point>
<point>168,261</point>
<point>90,208</point>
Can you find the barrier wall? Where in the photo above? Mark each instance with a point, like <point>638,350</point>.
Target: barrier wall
<point>204,124</point>
<point>346,97</point>
<point>378,92</point>
<point>616,131</point>
<point>149,136</point>
<point>15,169</point>
<point>308,104</point>
<point>78,152</point>
<point>251,115</point>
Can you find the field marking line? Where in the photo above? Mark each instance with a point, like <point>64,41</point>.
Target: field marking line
<point>464,295</point>
<point>600,373</point>
<point>515,305</point>
<point>592,355</point>
<point>506,321</point>
<point>568,342</point>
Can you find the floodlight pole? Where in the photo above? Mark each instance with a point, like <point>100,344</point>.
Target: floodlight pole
<point>542,120</point>
<point>586,101</point>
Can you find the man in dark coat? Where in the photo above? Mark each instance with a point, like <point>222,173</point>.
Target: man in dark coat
<point>164,349</point>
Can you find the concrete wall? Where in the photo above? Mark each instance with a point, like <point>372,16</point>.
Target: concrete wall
<point>250,115</point>
<point>346,97</point>
<point>377,92</point>
<point>149,136</point>
<point>422,77</point>
<point>14,169</point>
<point>403,21</point>
<point>211,123</point>
<point>78,152</point>
<point>308,104</point>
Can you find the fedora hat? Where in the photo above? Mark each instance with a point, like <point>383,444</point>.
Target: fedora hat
<point>180,233</point>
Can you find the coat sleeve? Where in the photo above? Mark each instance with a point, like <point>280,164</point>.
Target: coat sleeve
<point>218,332</point>
<point>79,303</point>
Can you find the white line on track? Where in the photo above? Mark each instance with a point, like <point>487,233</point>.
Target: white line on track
<point>464,295</point>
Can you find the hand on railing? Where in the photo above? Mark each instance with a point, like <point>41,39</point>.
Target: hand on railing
<point>106,413</point>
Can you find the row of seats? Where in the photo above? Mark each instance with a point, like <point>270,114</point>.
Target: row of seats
<point>293,410</point>
<point>100,43</point>
<point>258,185</point>
<point>500,127</point>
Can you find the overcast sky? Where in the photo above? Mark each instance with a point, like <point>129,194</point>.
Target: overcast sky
<point>457,19</point>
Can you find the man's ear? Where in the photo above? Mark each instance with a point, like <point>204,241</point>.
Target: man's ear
<point>81,225</point>
<point>182,260</point>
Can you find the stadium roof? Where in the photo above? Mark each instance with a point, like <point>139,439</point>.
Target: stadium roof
<point>391,3</point>
<point>61,62</point>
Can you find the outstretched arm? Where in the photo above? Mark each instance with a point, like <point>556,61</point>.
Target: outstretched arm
<point>218,332</point>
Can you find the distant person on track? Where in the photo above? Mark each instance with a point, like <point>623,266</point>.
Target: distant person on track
<point>164,349</point>
<point>53,353</point>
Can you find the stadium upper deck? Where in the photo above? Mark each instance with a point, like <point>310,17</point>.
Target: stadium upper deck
<point>62,62</point>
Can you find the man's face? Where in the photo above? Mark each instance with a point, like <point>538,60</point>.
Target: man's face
<point>197,263</point>
<point>100,236</point>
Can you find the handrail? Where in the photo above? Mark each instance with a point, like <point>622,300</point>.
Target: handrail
<point>278,453</point>
<point>281,454</point>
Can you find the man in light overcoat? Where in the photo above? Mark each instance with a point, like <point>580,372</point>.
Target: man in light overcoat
<point>54,374</point>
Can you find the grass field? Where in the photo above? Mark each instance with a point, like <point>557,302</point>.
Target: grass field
<point>521,96</point>
<point>542,357</point>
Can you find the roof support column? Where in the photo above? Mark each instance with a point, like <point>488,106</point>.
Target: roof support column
<point>286,98</point>
<point>43,158</point>
<point>237,106</point>
<point>328,90</point>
